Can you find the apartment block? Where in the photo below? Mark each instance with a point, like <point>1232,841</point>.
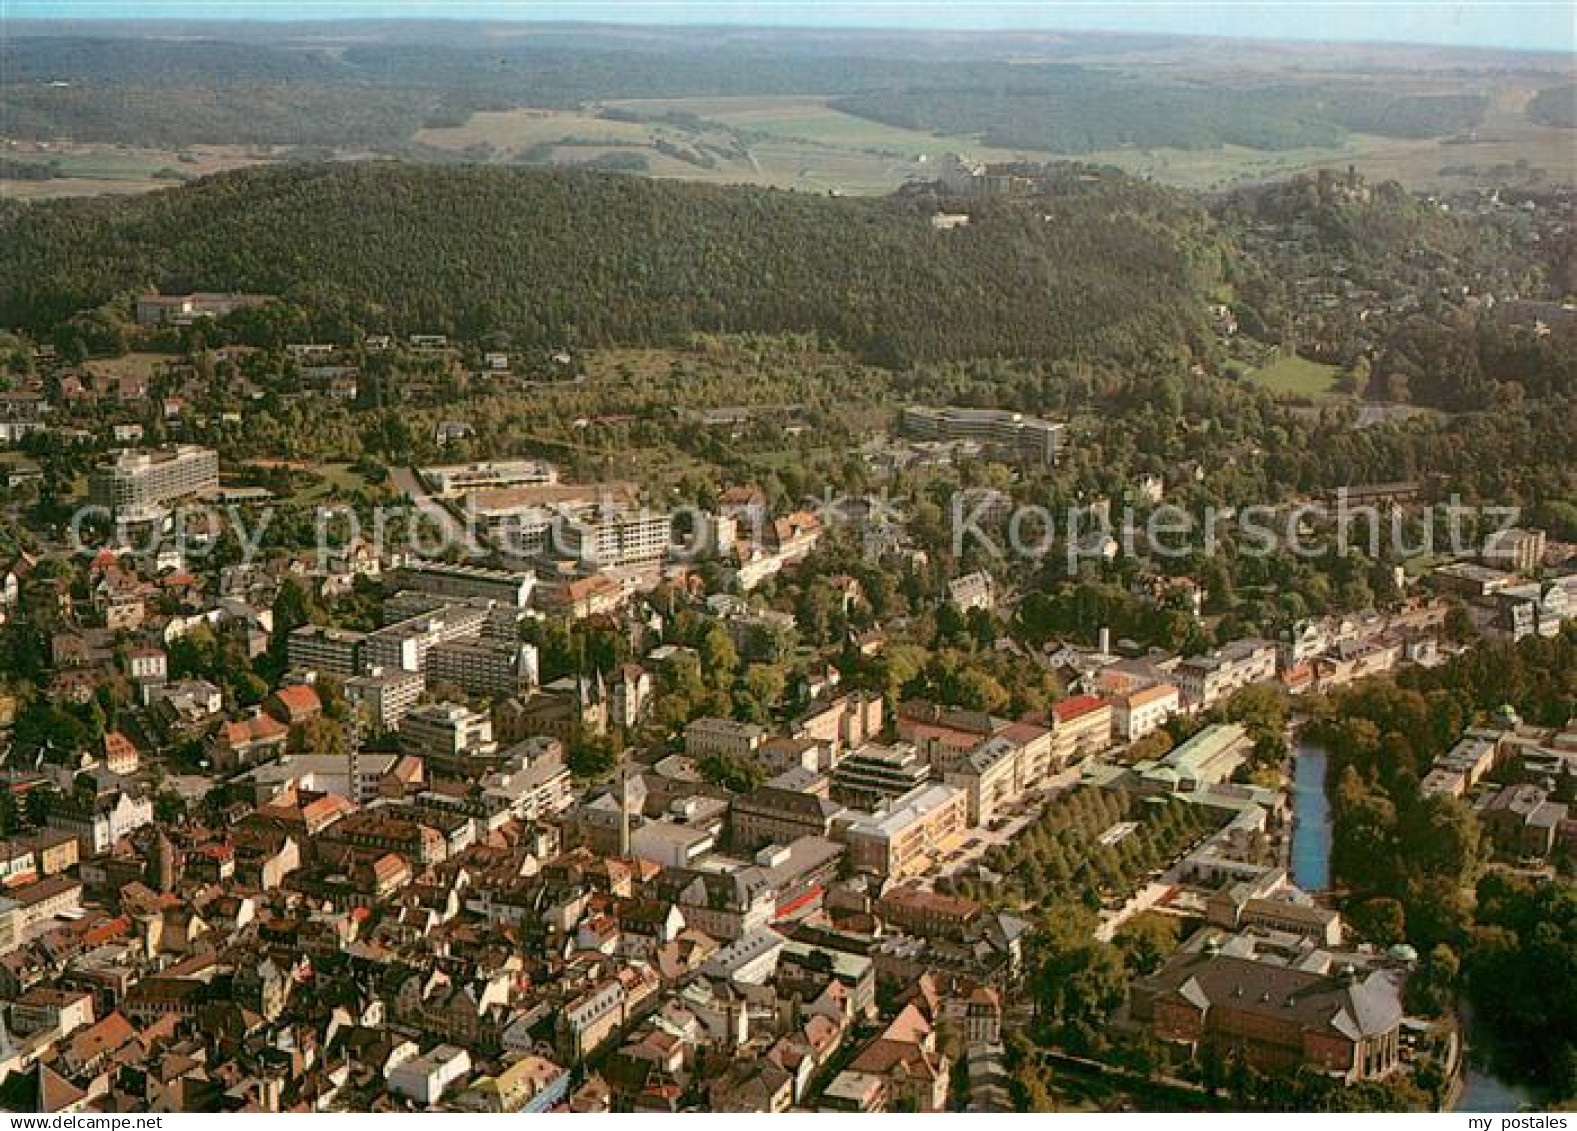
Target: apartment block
<point>140,483</point>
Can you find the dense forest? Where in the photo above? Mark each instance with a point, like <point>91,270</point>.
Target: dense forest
<point>1070,110</point>
<point>178,92</point>
<point>1107,267</point>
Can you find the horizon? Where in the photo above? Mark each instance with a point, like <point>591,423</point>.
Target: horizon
<point>1541,26</point>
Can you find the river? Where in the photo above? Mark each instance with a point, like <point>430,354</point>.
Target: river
<point>1311,832</point>
<point>1482,1091</point>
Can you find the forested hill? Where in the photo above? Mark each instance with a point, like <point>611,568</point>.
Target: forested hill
<point>1103,267</point>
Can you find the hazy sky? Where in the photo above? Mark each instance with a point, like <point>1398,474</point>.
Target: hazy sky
<point>1527,24</point>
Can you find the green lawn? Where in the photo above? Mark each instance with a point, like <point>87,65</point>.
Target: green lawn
<point>1296,376</point>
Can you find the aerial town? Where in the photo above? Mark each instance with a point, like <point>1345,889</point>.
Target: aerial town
<point>500,639</point>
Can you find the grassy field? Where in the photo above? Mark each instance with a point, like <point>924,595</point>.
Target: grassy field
<point>1296,376</point>
<point>802,142</point>
<point>145,365</point>
<point>97,170</point>
<point>334,481</point>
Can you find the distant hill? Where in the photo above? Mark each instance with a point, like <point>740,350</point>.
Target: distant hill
<point>1102,267</point>
<point>1073,110</point>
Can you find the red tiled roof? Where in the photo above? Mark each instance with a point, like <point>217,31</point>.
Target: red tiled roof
<point>299,699</point>
<point>258,728</point>
<point>1077,707</point>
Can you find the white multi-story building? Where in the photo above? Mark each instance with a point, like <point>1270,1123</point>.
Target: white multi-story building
<point>138,483</point>
<point>385,696</point>
<point>406,644</point>
<point>607,538</point>
<point>427,1077</point>
<point>1207,679</point>
<point>1027,437</point>
<point>446,730</point>
<point>1142,712</point>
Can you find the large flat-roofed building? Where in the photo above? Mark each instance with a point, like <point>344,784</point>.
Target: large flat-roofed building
<point>909,836</point>
<point>333,651</point>
<point>385,696</point>
<point>486,667</point>
<point>181,310</point>
<point>1210,757</point>
<point>446,730</point>
<point>469,583</point>
<point>494,475</point>
<point>1026,437</point>
<point>522,519</point>
<point>603,537</point>
<point>875,773</point>
<point>146,481</point>
<point>406,644</point>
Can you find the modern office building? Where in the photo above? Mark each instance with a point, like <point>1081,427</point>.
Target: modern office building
<point>874,774</point>
<point>1025,437</point>
<point>333,651</point>
<point>484,667</point>
<point>406,644</point>
<point>446,730</point>
<point>469,583</point>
